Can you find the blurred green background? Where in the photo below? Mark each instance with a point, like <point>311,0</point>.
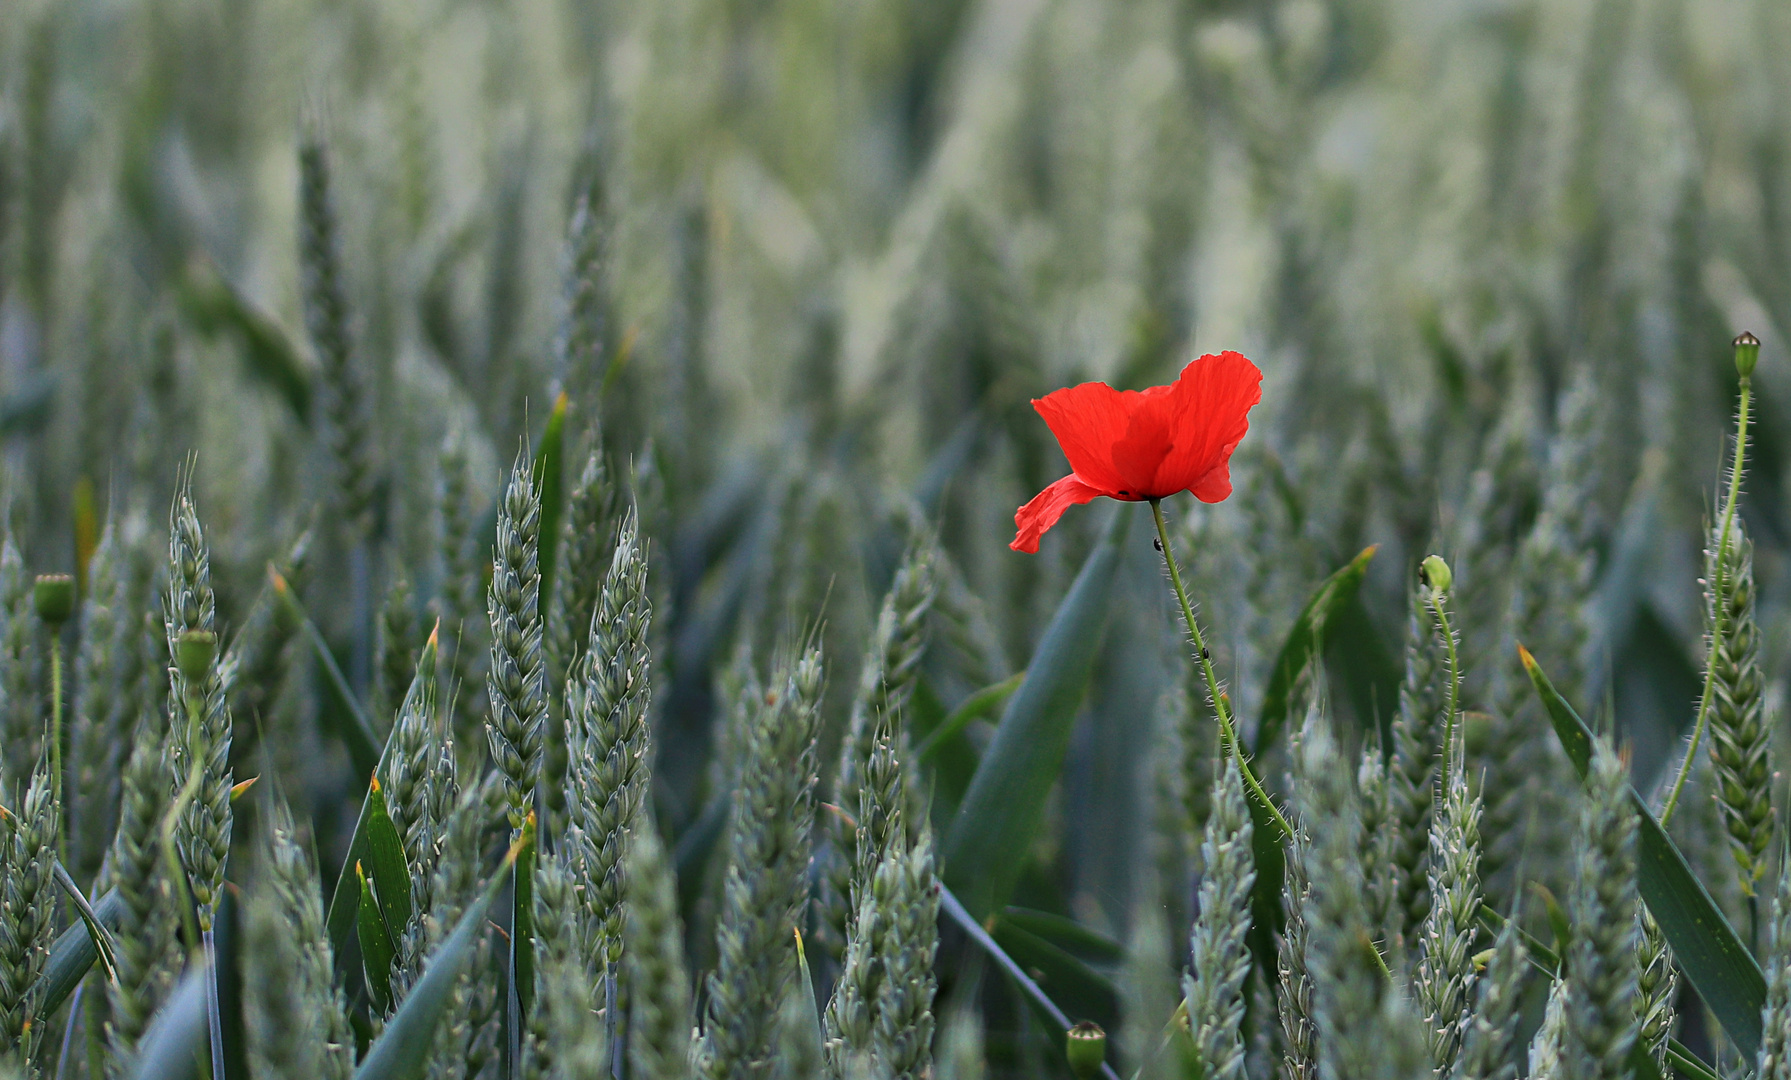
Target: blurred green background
<point>1484,251</point>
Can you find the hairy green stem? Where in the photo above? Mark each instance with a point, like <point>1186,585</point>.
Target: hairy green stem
<point>1436,606</point>
<point>56,725</point>
<point>1717,590</point>
<point>1221,709</point>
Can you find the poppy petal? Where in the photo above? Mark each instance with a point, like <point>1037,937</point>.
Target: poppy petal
<point>1209,416</point>
<point>1214,486</point>
<point>1035,518</point>
<point>1088,419</point>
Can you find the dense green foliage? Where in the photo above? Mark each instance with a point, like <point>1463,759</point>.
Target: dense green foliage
<point>538,477</point>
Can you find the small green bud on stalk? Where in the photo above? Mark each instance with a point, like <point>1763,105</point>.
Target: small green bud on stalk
<point>54,597</point>
<point>1747,354</point>
<point>1086,1046</point>
<point>1435,573</point>
<point>194,654</point>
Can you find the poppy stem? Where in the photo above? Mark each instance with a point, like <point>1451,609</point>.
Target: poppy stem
<point>1221,707</point>
<point>1718,587</point>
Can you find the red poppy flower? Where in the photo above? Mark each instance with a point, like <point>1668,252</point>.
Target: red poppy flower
<point>1136,445</point>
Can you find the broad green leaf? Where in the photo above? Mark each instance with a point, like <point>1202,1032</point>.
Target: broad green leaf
<point>811,1014</point>
<point>340,921</point>
<point>214,305</point>
<point>975,707</point>
<point>522,937</point>
<point>363,744</point>
<point>402,1051</point>
<point>1720,968</point>
<point>1079,990</point>
<point>1067,934</point>
<point>73,954</point>
<point>549,471</point>
<point>177,1044</point>
<point>96,930</point>
<point>386,863</point>
<point>1002,811</point>
<point>1305,641</point>
<point>377,950</point>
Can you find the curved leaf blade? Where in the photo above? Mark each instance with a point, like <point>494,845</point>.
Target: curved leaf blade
<point>1305,641</point>
<point>1707,948</point>
<point>1006,802</point>
<point>73,955</point>
<point>402,1051</point>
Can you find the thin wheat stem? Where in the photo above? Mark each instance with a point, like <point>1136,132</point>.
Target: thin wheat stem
<point>1717,587</point>
<point>1221,708</point>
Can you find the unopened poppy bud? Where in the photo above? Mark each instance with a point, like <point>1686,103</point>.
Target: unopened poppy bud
<point>194,653</point>
<point>1086,1046</point>
<point>1747,354</point>
<point>54,597</point>
<point>1434,572</point>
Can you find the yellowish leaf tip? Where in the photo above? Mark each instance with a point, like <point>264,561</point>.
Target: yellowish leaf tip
<point>1523,654</point>
<point>241,788</point>
<point>374,785</point>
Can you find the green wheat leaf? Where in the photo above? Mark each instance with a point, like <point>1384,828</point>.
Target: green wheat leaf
<point>1720,968</point>
<point>1006,802</point>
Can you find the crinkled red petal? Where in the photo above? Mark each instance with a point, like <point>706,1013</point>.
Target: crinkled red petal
<point>1036,518</point>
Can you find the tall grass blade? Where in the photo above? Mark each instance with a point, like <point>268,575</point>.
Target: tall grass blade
<point>1720,967</point>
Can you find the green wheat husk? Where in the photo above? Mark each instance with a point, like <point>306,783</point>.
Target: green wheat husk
<point>885,681</point>
<point>327,323</point>
<point>1489,1041</point>
<point>1365,1025</point>
<point>1299,1035</point>
<point>1774,1059</point>
<point>458,602</point>
<point>1657,987</point>
<point>513,683</point>
<point>1550,1052</point>
<point>1412,777</point>
<point>100,722</point>
<point>20,670</point>
<point>587,545</point>
<point>201,740</point>
<point>555,1047</point>
<point>1601,964</point>
<point>398,637</point>
<point>1446,940</point>
<point>659,1001</point>
<point>765,887</point>
<point>1214,985</point>
<point>1740,737</point>
<point>607,730</point>
<point>419,783</point>
<point>1380,837</point>
<point>28,834</point>
<point>296,1018</point>
<point>145,938</point>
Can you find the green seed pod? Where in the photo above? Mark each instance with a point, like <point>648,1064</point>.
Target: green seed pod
<point>1435,573</point>
<point>54,597</point>
<point>1747,354</point>
<point>194,654</point>
<point>1086,1046</point>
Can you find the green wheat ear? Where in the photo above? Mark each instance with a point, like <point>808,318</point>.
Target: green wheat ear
<point>1214,986</point>
<point>1740,738</point>
<point>513,683</point>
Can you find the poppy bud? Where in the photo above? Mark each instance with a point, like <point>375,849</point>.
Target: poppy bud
<point>194,653</point>
<point>1086,1046</point>
<point>54,597</point>
<point>1747,354</point>
<point>1434,572</point>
